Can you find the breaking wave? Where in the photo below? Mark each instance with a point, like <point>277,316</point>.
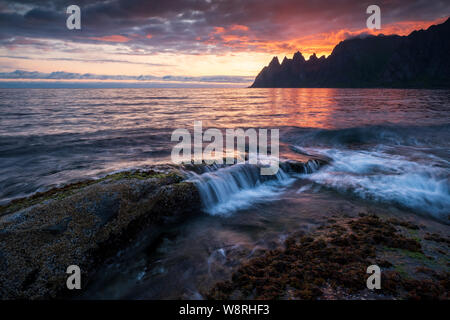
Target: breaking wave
<point>422,185</point>
<point>225,189</point>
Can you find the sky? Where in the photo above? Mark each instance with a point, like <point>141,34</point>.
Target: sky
<point>198,42</point>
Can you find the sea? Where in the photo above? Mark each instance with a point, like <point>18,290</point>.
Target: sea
<point>388,151</point>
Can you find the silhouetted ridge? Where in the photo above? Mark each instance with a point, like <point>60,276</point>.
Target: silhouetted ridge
<point>419,60</point>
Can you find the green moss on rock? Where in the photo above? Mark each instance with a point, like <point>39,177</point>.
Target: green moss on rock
<point>336,257</point>
<point>83,224</point>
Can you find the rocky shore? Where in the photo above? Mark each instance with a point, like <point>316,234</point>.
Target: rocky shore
<point>88,223</point>
<point>83,224</point>
<point>331,263</point>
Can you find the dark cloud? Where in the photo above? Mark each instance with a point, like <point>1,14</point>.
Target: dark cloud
<point>40,15</point>
<point>60,75</point>
<point>88,60</point>
<point>188,26</point>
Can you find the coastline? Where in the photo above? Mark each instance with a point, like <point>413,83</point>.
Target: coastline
<point>83,224</point>
<point>330,263</point>
<point>90,223</point>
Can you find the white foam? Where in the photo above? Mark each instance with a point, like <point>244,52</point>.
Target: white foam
<point>238,187</point>
<point>382,176</point>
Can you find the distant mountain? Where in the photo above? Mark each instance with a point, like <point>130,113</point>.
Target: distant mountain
<point>419,60</point>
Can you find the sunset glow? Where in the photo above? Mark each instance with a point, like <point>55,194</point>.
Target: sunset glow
<point>221,156</point>
<point>189,40</point>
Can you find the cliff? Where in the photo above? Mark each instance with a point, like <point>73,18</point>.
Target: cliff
<point>419,60</point>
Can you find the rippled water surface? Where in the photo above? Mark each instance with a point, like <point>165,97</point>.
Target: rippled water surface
<point>387,148</point>
<point>27,112</point>
<point>389,145</point>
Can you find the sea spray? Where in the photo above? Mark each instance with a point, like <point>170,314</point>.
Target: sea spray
<point>225,189</point>
<point>423,186</point>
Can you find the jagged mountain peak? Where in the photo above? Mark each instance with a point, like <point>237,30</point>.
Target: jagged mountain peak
<point>274,62</point>
<point>419,60</point>
<point>298,57</point>
<point>313,57</point>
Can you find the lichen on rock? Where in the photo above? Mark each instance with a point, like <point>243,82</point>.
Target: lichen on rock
<point>83,224</point>
<point>332,263</point>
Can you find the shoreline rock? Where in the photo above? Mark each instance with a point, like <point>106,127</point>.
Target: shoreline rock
<point>83,224</point>
<point>419,60</point>
<point>331,263</point>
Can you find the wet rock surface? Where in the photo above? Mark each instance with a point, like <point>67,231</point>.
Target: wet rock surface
<point>103,225</point>
<point>331,263</point>
<point>83,224</point>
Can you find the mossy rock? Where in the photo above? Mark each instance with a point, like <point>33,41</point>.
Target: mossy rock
<point>334,258</point>
<point>83,224</point>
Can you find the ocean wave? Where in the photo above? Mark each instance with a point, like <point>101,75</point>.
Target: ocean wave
<point>369,135</point>
<point>420,185</point>
<point>226,189</point>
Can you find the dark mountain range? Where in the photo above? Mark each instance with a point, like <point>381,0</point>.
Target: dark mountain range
<point>419,60</point>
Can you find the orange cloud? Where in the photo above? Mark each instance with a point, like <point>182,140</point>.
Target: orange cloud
<point>239,27</point>
<point>149,36</point>
<point>404,28</point>
<point>218,30</point>
<point>232,37</point>
<point>224,36</point>
<point>112,38</point>
<point>324,43</point>
<point>319,43</point>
